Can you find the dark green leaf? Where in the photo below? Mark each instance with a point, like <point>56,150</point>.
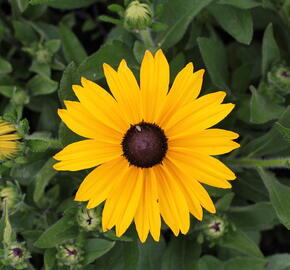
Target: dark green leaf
<point>49,259</point>
<point>245,264</point>
<point>5,66</point>
<point>95,248</point>
<point>260,216</point>
<point>209,263</point>
<point>73,49</point>
<point>279,196</point>
<point>177,15</point>
<point>180,254</point>
<point>63,229</point>
<point>278,262</point>
<point>237,22</point>
<point>285,132</point>
<point>245,4</point>
<point>63,4</point>
<point>270,50</point>
<point>224,203</point>
<point>24,32</point>
<point>240,241</point>
<point>262,109</point>
<point>42,179</point>
<point>214,56</point>
<point>41,85</point>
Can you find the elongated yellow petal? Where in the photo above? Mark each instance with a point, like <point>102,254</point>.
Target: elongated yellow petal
<point>154,84</point>
<point>86,154</point>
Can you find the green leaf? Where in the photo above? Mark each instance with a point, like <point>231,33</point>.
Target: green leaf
<point>24,32</point>
<point>70,76</point>
<point>224,203</point>
<point>208,262</point>
<point>177,15</point>
<point>41,85</point>
<point>214,56</point>
<point>95,248</point>
<point>278,262</point>
<point>109,19</point>
<point>63,4</point>
<point>63,229</point>
<point>49,258</point>
<point>7,90</point>
<point>245,4</point>
<point>53,45</point>
<point>180,254</point>
<point>260,216</point>
<point>279,196</point>
<point>72,48</point>
<point>150,253</point>
<point>44,175</point>
<point>270,50</point>
<point>7,234</point>
<point>262,109</point>
<point>245,264</point>
<point>240,241</point>
<point>285,132</point>
<point>237,22</point>
<point>5,66</point>
<point>92,67</point>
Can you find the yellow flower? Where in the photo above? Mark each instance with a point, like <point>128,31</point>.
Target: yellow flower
<point>8,145</point>
<point>152,146</point>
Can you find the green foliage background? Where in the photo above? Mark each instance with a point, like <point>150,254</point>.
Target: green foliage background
<point>47,45</point>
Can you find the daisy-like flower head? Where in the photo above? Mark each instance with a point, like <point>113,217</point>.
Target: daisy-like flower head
<point>8,138</point>
<point>151,146</point>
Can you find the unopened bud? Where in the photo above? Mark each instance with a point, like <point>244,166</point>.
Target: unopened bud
<point>88,219</point>
<point>11,194</point>
<point>16,255</point>
<point>69,254</point>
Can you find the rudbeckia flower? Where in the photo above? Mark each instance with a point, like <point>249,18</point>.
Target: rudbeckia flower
<point>8,145</point>
<point>151,147</point>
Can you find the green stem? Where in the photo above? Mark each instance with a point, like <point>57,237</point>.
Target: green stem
<point>249,162</point>
<point>147,38</point>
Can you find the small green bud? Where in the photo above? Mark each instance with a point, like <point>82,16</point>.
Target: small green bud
<point>16,255</point>
<point>138,16</point>
<point>279,77</point>
<point>43,56</point>
<point>20,97</point>
<point>69,254</point>
<point>11,193</point>
<point>88,219</point>
<point>214,227</point>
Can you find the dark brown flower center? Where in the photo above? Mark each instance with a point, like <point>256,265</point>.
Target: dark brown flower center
<point>17,252</point>
<point>144,145</point>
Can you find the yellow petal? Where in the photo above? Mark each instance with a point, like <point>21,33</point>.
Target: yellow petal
<point>210,141</point>
<point>173,206</point>
<point>122,202</point>
<point>80,121</point>
<point>185,89</point>
<point>154,84</point>
<point>86,154</point>
<point>9,137</point>
<point>99,183</point>
<point>100,104</point>
<point>125,89</point>
<point>148,213</point>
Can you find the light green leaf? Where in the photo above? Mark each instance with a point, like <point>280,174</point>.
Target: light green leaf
<point>5,66</point>
<point>95,248</point>
<point>279,196</point>
<point>177,15</point>
<point>270,49</point>
<point>44,175</point>
<point>180,254</point>
<point>214,56</point>
<point>41,85</point>
<point>237,22</point>
<point>7,235</point>
<point>240,241</point>
<point>262,109</point>
<point>72,48</point>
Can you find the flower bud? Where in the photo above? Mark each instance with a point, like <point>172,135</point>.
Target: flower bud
<point>69,254</point>
<point>11,193</point>
<point>214,227</point>
<point>43,56</point>
<point>16,255</point>
<point>279,77</point>
<point>88,219</point>
<point>138,16</point>
<point>20,97</point>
